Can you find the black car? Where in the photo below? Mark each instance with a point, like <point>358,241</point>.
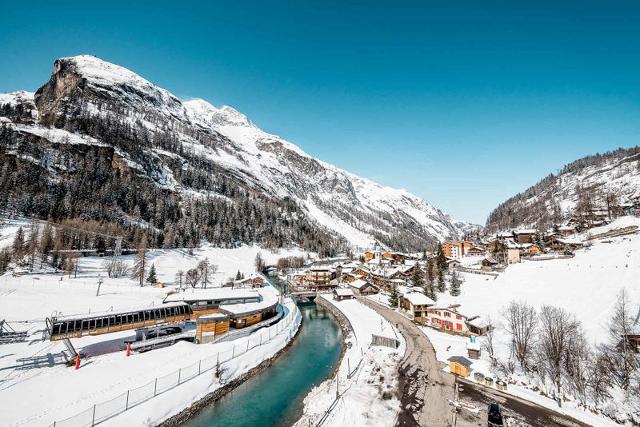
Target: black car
<point>494,418</point>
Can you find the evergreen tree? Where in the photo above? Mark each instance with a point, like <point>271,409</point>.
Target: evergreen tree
<point>151,278</point>
<point>441,259</point>
<point>394,297</point>
<point>441,284</point>
<point>140,264</point>
<point>416,279</point>
<point>454,287</point>
<point>239,275</point>
<point>46,243</point>
<point>32,243</point>
<point>18,245</point>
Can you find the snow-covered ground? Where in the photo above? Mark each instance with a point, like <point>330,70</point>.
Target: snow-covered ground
<point>586,286</point>
<point>36,387</point>
<point>368,398</point>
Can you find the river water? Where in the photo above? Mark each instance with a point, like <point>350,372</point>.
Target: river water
<point>274,397</point>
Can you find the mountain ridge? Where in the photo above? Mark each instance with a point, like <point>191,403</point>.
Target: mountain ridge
<point>599,180</point>
<point>85,92</point>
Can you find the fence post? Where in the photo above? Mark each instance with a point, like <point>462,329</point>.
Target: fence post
<point>93,418</point>
<point>233,351</point>
<point>179,374</point>
<point>247,345</point>
<point>126,405</point>
<point>199,365</point>
<point>155,387</point>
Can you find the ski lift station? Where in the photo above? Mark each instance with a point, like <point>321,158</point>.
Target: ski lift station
<point>219,313</point>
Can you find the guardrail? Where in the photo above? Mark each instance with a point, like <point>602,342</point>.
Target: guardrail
<point>103,411</point>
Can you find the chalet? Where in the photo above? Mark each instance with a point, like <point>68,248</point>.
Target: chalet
<point>369,255</point>
<point>477,325</point>
<point>318,276</point>
<point>505,235</point>
<point>489,262</point>
<point>566,244</point>
<point>475,251</point>
<point>348,278</point>
<point>362,287</point>
<point>416,304</point>
<point>567,230</point>
<point>361,272</point>
<point>452,264</point>
<point>340,294</point>
<point>524,236</point>
<point>459,365</point>
<point>447,319</point>
<point>533,249</point>
<point>395,257</point>
<point>253,281</point>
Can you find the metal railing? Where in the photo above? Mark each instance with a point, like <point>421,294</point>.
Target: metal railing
<point>103,411</point>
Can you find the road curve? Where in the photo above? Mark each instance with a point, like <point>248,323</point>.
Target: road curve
<point>425,389</point>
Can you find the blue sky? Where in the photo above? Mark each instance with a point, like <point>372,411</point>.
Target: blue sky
<point>464,105</point>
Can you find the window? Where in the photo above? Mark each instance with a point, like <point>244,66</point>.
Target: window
<point>458,317</point>
<point>459,326</point>
<point>447,314</point>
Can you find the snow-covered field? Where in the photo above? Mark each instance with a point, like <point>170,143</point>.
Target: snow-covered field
<point>36,387</point>
<point>586,285</point>
<point>361,402</point>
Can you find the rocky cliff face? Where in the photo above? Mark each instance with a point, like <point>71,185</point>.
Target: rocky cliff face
<point>192,149</point>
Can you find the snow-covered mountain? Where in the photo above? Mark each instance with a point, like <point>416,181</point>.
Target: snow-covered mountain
<point>610,179</point>
<point>89,101</point>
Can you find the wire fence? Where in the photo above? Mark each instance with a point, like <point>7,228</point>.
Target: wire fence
<point>103,411</point>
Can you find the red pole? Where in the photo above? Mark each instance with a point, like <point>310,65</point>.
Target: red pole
<point>128,349</point>
<point>77,361</point>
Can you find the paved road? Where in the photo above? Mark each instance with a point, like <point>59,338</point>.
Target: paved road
<point>520,412</point>
<point>425,389</point>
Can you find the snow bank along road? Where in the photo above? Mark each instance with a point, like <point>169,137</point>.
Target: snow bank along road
<point>362,391</point>
<point>425,389</point>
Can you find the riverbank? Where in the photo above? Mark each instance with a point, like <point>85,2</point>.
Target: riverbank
<point>274,396</point>
<point>363,389</point>
<point>188,413</point>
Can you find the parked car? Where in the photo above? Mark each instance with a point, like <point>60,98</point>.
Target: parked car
<point>163,332</point>
<point>494,418</point>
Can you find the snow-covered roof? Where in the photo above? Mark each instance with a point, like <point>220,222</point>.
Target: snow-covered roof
<point>417,298</point>
<point>526,231</point>
<point>213,316</point>
<point>342,292</point>
<point>359,284</point>
<point>248,308</point>
<point>473,345</point>
<point>249,277</point>
<point>213,294</point>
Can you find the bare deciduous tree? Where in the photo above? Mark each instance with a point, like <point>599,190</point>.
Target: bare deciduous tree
<point>557,329</point>
<point>620,352</point>
<point>192,278</point>
<point>521,323</point>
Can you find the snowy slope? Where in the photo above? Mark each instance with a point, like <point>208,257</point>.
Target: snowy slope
<point>554,198</point>
<point>353,207</point>
<point>586,285</point>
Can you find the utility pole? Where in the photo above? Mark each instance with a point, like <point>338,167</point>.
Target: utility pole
<point>99,284</point>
